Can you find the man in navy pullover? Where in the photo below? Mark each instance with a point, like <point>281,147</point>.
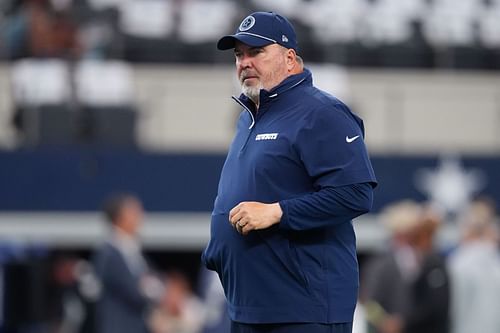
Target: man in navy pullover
<point>296,174</point>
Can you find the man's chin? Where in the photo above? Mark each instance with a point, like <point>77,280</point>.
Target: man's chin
<point>246,88</point>
<point>250,83</point>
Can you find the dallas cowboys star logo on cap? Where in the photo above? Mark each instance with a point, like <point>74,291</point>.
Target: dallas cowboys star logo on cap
<point>247,23</point>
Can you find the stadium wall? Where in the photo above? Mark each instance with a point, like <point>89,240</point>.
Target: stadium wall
<point>188,108</point>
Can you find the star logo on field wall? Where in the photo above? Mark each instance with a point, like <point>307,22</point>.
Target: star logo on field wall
<point>450,187</point>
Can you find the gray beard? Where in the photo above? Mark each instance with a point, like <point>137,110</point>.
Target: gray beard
<point>252,92</point>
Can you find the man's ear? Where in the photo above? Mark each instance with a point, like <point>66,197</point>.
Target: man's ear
<point>291,59</point>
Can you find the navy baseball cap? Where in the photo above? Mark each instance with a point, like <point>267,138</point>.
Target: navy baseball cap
<point>261,29</point>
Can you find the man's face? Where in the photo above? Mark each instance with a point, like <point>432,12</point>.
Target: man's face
<point>260,67</point>
<point>130,217</point>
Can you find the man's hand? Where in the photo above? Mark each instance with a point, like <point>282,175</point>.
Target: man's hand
<point>251,215</point>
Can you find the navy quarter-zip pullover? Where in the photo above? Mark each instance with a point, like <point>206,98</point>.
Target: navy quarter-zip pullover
<point>304,149</point>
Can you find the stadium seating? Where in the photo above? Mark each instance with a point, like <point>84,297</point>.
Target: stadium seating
<point>489,26</point>
<point>149,18</point>
<point>382,33</point>
<point>105,92</point>
<point>42,95</point>
<point>200,24</point>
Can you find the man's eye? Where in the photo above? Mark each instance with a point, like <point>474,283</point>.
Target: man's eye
<point>255,51</point>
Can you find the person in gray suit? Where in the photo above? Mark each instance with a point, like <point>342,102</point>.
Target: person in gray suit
<point>122,270</point>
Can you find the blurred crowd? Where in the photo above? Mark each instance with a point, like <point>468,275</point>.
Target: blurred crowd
<point>417,287</point>
<point>414,285</point>
<point>400,33</point>
<point>114,289</point>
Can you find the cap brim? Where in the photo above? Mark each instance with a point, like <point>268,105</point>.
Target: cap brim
<point>229,41</point>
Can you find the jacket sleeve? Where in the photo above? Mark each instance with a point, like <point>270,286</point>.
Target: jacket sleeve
<point>326,207</point>
<point>330,146</point>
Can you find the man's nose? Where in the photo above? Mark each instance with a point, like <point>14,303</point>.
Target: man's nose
<point>244,62</point>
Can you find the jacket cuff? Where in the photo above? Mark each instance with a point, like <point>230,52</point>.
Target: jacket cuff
<point>284,222</point>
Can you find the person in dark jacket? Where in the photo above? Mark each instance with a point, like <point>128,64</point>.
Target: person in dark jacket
<point>122,271</point>
<point>296,174</point>
<point>406,289</point>
<point>430,291</point>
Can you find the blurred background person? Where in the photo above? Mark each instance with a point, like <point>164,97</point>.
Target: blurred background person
<point>475,272</point>
<point>429,293</point>
<point>74,290</point>
<point>214,301</point>
<point>406,289</point>
<point>386,284</point>
<point>180,310</point>
<point>24,281</point>
<point>128,286</point>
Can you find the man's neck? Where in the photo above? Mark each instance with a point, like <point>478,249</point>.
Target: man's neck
<point>122,233</point>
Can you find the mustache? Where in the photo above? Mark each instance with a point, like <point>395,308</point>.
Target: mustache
<point>246,74</point>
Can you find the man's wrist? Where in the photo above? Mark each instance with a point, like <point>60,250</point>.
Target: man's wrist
<point>278,212</point>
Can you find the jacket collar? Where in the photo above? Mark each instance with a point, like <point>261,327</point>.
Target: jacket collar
<point>287,84</point>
